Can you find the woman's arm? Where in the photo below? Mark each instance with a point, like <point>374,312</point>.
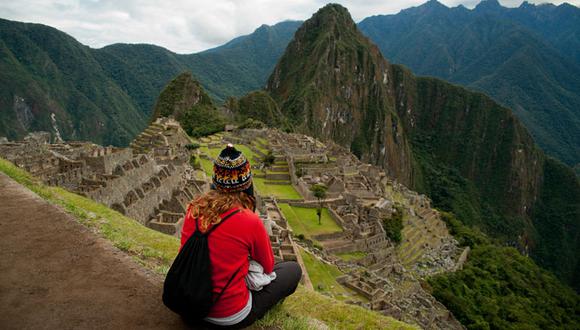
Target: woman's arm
<point>260,249</point>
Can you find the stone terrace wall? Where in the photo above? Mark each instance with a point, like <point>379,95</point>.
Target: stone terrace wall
<point>106,161</point>
<point>126,178</point>
<point>144,208</point>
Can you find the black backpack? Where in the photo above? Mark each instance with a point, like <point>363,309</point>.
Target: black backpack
<point>188,289</point>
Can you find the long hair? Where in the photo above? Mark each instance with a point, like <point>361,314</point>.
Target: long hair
<point>208,207</point>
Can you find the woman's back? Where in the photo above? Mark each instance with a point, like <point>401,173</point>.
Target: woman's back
<point>242,235</point>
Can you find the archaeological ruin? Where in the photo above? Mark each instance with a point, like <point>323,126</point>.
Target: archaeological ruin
<point>153,180</point>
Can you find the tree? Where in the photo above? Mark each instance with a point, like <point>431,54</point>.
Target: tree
<point>269,159</point>
<point>319,191</point>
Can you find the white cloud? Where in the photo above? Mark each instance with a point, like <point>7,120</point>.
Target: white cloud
<point>185,26</point>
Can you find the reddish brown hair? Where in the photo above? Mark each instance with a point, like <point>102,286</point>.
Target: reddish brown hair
<point>209,206</point>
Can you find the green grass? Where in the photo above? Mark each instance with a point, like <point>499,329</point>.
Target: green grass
<point>352,256</point>
<point>305,221</point>
<point>323,278</point>
<point>156,251</point>
<point>284,191</point>
<point>207,166</point>
<point>261,147</point>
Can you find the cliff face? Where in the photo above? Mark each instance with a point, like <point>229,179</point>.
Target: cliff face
<point>332,83</point>
<point>468,131</point>
<point>469,154</point>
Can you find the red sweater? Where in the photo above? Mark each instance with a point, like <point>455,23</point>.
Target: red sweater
<point>240,236</point>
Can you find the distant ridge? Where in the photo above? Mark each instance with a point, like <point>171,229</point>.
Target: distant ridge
<point>107,95</point>
<point>527,58</point>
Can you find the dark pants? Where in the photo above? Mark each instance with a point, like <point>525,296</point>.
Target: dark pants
<point>288,274</point>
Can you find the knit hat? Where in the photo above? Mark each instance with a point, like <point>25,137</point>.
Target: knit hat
<point>231,171</point>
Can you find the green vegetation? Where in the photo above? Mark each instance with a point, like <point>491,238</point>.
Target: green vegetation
<point>394,225</point>
<point>303,221</point>
<point>280,191</point>
<point>351,256</point>
<point>336,314</point>
<point>501,289</point>
<point>319,191</point>
<point>107,95</point>
<point>185,100</point>
<point>259,105</point>
<point>466,236</point>
<point>323,277</point>
<point>556,223</point>
<point>156,251</point>
<point>45,72</point>
<point>491,60</point>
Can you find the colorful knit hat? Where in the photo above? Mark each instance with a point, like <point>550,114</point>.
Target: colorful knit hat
<point>231,171</point>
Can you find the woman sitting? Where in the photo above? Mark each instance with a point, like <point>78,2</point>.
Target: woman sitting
<point>233,242</point>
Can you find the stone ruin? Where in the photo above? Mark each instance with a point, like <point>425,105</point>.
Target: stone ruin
<point>151,182</point>
<point>359,197</point>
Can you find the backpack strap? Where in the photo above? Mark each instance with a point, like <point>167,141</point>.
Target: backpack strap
<point>238,270</point>
<point>217,224</point>
<point>227,284</point>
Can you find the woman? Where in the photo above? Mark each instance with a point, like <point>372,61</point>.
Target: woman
<point>243,235</point>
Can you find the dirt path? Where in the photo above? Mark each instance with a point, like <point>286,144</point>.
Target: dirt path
<point>56,274</point>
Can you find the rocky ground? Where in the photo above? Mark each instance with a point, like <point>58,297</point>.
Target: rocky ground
<point>56,274</point>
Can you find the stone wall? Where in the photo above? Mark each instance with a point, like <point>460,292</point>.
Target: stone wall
<point>106,161</point>
<point>125,178</point>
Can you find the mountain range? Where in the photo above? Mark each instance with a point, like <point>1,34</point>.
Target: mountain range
<point>50,81</point>
<point>526,58</point>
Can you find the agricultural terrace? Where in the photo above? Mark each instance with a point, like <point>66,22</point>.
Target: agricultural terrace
<point>304,221</point>
<point>323,277</point>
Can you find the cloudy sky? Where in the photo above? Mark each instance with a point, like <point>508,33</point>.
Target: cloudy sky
<point>187,26</point>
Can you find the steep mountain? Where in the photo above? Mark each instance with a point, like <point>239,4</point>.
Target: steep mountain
<point>331,83</point>
<point>184,99</point>
<point>107,95</point>
<point>51,82</point>
<point>258,105</point>
<point>470,154</point>
<point>526,58</point>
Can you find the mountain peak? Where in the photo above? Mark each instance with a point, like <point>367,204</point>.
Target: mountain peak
<point>487,5</point>
<point>433,4</point>
<point>333,13</point>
